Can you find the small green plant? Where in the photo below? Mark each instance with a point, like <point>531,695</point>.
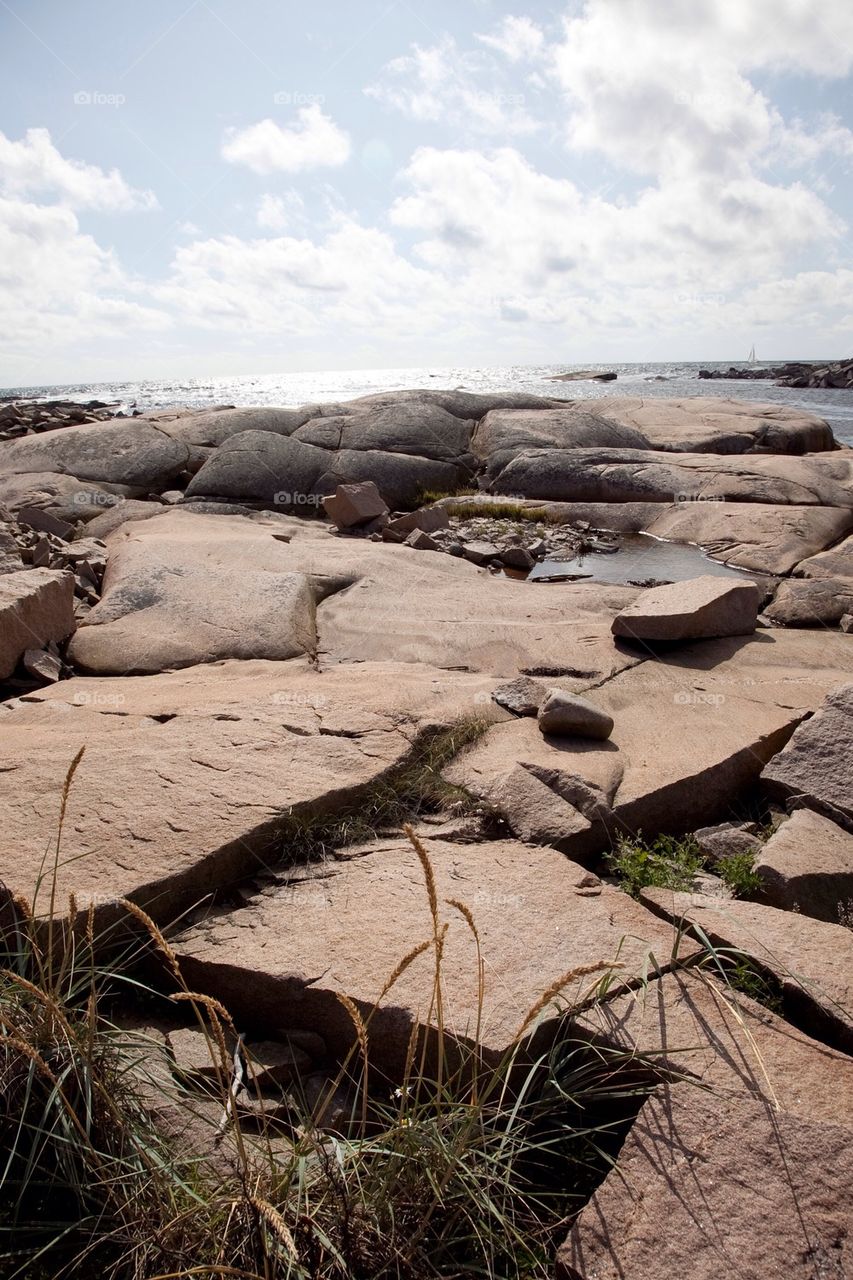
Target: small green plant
<point>665,862</point>
<point>425,497</point>
<point>497,510</point>
<point>738,872</point>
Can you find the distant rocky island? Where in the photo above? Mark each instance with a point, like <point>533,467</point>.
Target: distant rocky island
<point>797,374</point>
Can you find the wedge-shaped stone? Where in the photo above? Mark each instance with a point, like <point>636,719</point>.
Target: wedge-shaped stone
<point>36,606</point>
<point>816,768</point>
<point>705,1188</point>
<point>188,779</point>
<point>698,609</point>
<point>807,865</point>
<point>342,929</point>
<point>811,960</point>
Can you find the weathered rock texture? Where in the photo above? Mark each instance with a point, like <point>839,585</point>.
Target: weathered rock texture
<point>816,768</point>
<point>700,609</point>
<point>807,865</point>
<point>36,606</point>
<point>704,1188</point>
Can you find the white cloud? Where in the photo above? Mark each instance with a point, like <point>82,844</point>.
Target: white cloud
<point>314,142</point>
<point>516,38</point>
<point>280,213</point>
<point>442,83</point>
<point>33,166</point>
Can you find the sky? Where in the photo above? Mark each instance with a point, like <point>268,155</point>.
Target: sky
<point>193,188</point>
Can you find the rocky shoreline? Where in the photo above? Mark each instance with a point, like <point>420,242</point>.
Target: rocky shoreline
<point>262,623</point>
<point>796,374</point>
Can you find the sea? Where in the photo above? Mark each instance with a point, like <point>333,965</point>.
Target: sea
<point>671,380</point>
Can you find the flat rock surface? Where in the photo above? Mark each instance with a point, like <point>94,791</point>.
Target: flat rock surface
<point>750,535</point>
<point>188,778</point>
<point>342,928</point>
<point>816,768</point>
<point>687,1024</point>
<point>812,960</point>
<point>811,602</point>
<point>807,865</point>
<point>705,1188</point>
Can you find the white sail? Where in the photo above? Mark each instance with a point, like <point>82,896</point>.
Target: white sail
<point>752,355</point>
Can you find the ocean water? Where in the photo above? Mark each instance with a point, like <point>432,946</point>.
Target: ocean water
<point>667,380</point>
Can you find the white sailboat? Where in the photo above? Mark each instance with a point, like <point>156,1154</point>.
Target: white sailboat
<point>751,357</point>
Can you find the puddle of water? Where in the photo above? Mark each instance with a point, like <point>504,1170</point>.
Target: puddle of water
<point>640,557</point>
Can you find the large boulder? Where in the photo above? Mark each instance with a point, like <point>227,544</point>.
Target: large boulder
<point>698,609</point>
<point>706,1187</point>
<point>341,929</point>
<point>634,475</point>
<point>807,865</point>
<point>123,451</point>
<point>265,468</point>
<point>194,779</point>
<point>66,498</point>
<point>751,535</point>
<point>816,767</point>
<point>837,562</point>
<point>811,602</point>
<point>811,960</point>
<point>36,607</point>
<point>700,424</point>
<point>211,428</point>
<point>180,589</point>
<point>426,430</point>
<point>401,478</point>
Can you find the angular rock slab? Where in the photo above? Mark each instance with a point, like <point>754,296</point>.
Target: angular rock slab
<point>181,589</point>
<point>807,865</point>
<point>811,602</point>
<point>812,960</point>
<point>691,1027</point>
<point>36,606</point>
<point>704,608</point>
<point>188,778</point>
<point>343,927</point>
<point>705,1189</point>
<point>816,767</point>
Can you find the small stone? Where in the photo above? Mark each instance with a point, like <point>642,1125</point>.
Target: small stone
<point>567,713</point>
<point>480,552</point>
<point>517,558</point>
<point>38,662</point>
<point>429,519</point>
<point>389,534</point>
<point>45,521</point>
<point>274,1064</point>
<point>522,696</point>
<point>846,623</point>
<point>196,1055</point>
<point>420,541</point>
<point>727,838</point>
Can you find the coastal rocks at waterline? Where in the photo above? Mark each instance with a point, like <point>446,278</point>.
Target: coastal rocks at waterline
<point>816,768</point>
<point>698,609</point>
<point>836,374</point>
<point>31,417</point>
<point>36,607</point>
<point>673,1205</point>
<point>562,713</point>
<point>807,866</point>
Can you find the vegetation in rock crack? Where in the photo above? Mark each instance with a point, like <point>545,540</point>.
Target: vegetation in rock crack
<point>414,788</point>
<point>516,511</point>
<point>115,1164</point>
<point>738,872</point>
<point>667,862</point>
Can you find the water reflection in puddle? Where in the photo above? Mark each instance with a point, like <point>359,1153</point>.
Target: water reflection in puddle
<point>640,558</point>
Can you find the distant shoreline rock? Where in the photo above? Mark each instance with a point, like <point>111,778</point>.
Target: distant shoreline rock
<point>586,375</point>
<point>838,375</point>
